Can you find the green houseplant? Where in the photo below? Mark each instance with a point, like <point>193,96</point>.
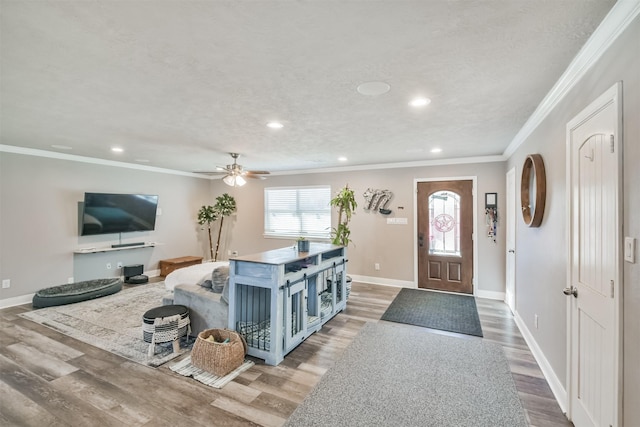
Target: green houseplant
<point>207,215</point>
<point>225,206</point>
<point>345,202</point>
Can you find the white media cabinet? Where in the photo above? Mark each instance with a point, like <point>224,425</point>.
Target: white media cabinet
<point>280,297</point>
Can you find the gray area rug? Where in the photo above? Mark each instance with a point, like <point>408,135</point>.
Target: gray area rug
<point>435,310</point>
<point>398,375</point>
<point>112,323</point>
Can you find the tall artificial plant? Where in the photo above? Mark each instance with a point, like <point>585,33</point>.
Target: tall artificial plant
<point>225,206</point>
<point>206,215</point>
<point>345,202</point>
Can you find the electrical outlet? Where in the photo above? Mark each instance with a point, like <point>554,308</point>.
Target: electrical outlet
<point>377,266</point>
<point>108,266</point>
<point>234,253</point>
<point>119,264</point>
<point>70,280</point>
<point>535,320</point>
<point>6,283</point>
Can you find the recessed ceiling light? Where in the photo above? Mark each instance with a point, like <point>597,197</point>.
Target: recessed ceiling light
<point>117,149</point>
<point>436,150</point>
<point>62,147</point>
<point>275,125</point>
<point>419,102</point>
<point>373,88</point>
<point>342,159</point>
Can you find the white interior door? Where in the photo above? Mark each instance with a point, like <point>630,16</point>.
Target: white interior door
<point>594,287</point>
<point>510,292</point>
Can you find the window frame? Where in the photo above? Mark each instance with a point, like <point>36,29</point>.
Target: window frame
<point>310,235</point>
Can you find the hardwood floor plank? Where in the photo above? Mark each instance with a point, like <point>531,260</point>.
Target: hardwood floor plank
<point>44,344</point>
<point>42,365</point>
<point>52,379</point>
<point>22,411</point>
<point>63,405</point>
<point>252,414</point>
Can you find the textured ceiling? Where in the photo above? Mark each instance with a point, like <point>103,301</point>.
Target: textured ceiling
<point>181,84</point>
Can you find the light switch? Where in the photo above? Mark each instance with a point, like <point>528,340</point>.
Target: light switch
<point>630,249</point>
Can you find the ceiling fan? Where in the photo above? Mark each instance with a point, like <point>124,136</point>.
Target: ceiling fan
<point>235,174</point>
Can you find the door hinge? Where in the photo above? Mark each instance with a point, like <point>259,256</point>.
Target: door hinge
<point>611,144</point>
<point>612,288</point>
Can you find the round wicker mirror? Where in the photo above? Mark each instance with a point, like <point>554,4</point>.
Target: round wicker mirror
<point>533,190</point>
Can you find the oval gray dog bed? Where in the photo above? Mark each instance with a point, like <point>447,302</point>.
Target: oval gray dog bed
<point>75,292</point>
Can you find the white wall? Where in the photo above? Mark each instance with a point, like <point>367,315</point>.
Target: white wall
<point>374,241</point>
<point>541,253</point>
<point>39,220</point>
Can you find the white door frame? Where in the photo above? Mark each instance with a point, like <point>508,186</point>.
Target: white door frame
<point>474,180</point>
<point>510,282</point>
<point>612,95</point>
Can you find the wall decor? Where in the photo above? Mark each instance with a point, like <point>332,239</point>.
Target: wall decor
<point>533,190</point>
<point>377,200</point>
<point>491,214</point>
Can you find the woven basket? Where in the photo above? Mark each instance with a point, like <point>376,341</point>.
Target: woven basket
<point>218,358</point>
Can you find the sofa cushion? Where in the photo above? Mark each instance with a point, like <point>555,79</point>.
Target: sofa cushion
<point>219,277</point>
<point>207,309</point>
<point>192,275</point>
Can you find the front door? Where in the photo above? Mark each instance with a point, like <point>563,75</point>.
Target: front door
<point>445,241</point>
<point>594,286</point>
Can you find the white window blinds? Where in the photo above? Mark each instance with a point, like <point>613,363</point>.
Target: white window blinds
<point>297,211</point>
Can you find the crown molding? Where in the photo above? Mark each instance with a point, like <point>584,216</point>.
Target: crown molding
<point>82,159</point>
<point>616,21</point>
<point>400,165</point>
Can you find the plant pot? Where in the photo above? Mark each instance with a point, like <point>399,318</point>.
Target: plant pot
<point>303,245</point>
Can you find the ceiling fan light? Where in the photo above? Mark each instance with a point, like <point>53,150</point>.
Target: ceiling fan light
<point>234,180</point>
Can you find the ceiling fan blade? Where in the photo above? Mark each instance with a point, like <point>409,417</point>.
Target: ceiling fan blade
<point>259,172</point>
<point>248,175</point>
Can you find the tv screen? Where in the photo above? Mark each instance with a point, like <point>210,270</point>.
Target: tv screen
<point>106,213</point>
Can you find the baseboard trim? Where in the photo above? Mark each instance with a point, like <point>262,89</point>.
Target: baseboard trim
<point>19,300</point>
<point>558,390</point>
<point>490,295</point>
<point>382,281</point>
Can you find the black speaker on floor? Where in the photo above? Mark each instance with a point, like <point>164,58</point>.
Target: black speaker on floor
<point>133,274</point>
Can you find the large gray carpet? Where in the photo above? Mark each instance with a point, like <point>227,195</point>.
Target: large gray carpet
<point>398,375</point>
<point>112,323</point>
<point>435,310</point>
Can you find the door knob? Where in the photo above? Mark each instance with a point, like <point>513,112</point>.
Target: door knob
<point>571,291</point>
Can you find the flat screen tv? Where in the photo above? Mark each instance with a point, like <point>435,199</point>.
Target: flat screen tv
<point>105,213</point>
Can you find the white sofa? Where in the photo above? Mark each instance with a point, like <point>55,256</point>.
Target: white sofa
<point>207,309</point>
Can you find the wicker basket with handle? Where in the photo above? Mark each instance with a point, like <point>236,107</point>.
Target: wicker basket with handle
<point>218,358</point>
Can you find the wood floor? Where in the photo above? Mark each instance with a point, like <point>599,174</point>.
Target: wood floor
<point>49,379</point>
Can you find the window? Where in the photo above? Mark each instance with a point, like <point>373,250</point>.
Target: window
<point>444,223</point>
<point>297,211</point>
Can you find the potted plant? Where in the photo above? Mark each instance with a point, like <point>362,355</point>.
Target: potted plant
<point>303,244</point>
<point>345,201</point>
<point>225,206</point>
<point>206,215</point>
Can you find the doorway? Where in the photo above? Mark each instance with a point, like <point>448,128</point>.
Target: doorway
<point>594,288</point>
<point>445,250</point>
<point>510,288</point>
